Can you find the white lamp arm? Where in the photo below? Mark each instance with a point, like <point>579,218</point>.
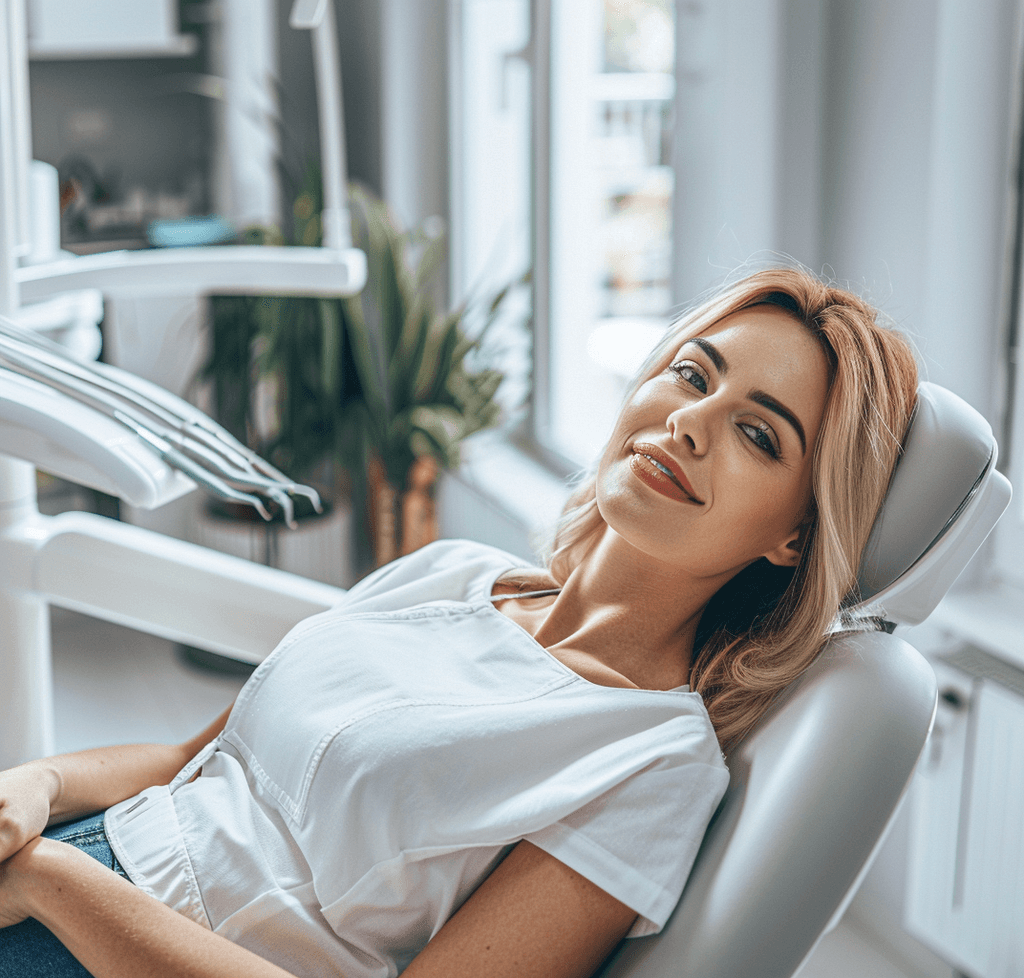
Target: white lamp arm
<point>230,268</point>
<point>318,16</point>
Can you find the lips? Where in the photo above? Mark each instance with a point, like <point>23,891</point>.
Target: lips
<point>661,472</point>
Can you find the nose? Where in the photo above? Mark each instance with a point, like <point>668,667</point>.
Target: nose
<point>689,427</point>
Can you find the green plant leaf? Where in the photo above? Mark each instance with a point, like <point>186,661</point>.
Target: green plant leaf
<point>330,348</point>
<point>435,251</point>
<point>445,425</point>
<point>365,369</point>
<point>437,362</point>
<point>408,360</point>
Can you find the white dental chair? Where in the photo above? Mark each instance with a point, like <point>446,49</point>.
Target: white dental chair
<point>813,787</point>
<point>816,783</point>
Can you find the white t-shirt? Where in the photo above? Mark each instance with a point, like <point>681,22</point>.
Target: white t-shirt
<point>386,756</point>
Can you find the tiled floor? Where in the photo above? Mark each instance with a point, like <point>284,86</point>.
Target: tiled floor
<point>114,685</point>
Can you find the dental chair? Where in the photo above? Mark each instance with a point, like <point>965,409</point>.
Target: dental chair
<point>817,782</point>
<point>813,787</point>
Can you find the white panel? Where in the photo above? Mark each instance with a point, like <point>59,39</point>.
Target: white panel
<point>965,895</point>
<point>993,905</point>
<point>935,820</point>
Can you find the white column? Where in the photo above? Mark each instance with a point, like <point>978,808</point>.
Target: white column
<point>26,675</point>
<point>26,684</point>
<point>245,160</point>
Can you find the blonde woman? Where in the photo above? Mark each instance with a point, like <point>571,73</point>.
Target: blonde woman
<point>472,767</point>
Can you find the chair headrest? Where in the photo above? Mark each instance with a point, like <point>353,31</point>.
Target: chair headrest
<point>944,499</point>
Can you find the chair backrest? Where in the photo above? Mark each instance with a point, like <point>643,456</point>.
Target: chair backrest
<point>816,783</point>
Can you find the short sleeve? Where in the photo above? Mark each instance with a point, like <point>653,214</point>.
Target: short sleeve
<point>638,840</point>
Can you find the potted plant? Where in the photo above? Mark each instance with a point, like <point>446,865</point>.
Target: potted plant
<point>366,397</point>
<point>279,410</point>
<point>419,393</point>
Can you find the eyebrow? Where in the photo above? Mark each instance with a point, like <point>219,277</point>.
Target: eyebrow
<point>769,402</point>
<point>712,351</point>
<point>757,396</point>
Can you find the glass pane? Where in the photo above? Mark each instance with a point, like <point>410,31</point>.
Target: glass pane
<point>612,80</point>
<point>491,178</point>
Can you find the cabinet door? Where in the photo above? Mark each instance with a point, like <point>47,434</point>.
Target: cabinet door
<point>965,894</point>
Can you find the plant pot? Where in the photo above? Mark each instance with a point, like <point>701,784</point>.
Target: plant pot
<point>401,522</point>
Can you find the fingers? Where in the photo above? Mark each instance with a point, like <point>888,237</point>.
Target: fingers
<point>24,810</point>
<point>14,833</point>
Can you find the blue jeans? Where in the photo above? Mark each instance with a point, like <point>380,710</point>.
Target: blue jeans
<point>28,949</point>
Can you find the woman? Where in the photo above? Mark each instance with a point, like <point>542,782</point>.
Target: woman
<point>516,765</point>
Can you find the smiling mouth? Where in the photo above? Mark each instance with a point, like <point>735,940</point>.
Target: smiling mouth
<point>666,472</point>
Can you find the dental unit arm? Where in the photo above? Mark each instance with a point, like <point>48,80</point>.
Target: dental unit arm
<point>35,372</point>
<point>107,429</point>
<point>104,428</point>
<point>333,270</point>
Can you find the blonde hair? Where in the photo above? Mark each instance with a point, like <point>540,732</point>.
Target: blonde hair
<point>768,624</point>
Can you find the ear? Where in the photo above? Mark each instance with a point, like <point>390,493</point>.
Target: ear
<point>787,554</point>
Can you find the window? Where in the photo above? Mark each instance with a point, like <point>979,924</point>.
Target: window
<point>490,172</point>
<point>610,208</point>
<point>586,93</point>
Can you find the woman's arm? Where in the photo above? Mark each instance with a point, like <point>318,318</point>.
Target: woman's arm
<point>56,789</point>
<point>532,917</point>
<point>114,928</point>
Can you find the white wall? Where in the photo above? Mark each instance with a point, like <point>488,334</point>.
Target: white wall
<point>414,111</point>
<point>869,139</point>
<point>877,138</point>
<point>725,138</point>
<point>918,120</point>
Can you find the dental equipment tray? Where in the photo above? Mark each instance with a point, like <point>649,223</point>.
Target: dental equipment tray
<point>66,438</point>
<point>105,428</point>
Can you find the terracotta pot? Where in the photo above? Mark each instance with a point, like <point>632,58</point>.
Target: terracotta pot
<point>401,522</point>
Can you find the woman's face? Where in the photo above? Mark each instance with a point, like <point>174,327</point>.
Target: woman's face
<point>709,465</point>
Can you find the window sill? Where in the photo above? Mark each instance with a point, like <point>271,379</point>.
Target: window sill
<point>501,495</point>
<point>523,487</point>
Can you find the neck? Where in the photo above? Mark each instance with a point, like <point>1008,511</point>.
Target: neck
<point>635,614</point>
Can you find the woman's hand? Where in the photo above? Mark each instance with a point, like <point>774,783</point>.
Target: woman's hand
<point>26,793</point>
<point>56,789</point>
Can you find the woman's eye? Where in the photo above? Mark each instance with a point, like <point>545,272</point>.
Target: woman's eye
<point>762,436</point>
<point>688,371</point>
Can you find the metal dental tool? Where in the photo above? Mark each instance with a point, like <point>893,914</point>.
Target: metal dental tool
<point>184,437</point>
